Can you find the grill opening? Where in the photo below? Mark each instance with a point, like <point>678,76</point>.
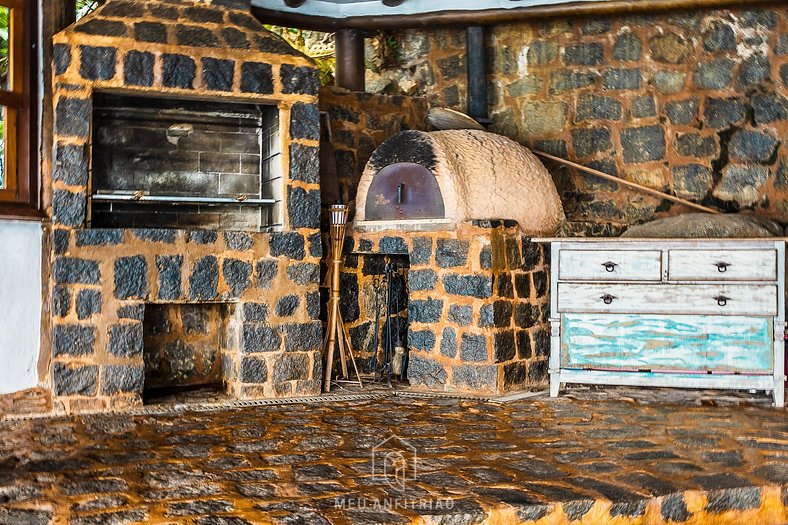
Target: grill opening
<point>169,163</point>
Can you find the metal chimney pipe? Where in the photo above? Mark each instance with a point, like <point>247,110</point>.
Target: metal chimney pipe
<point>350,59</point>
<point>477,73</point>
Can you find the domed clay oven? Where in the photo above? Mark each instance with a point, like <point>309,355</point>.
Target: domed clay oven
<point>430,181</point>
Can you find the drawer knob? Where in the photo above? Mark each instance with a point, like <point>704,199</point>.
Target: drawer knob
<point>722,266</point>
<point>610,266</point>
<point>722,300</point>
<point>607,298</point>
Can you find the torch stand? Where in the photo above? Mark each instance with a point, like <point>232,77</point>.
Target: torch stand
<point>336,333</point>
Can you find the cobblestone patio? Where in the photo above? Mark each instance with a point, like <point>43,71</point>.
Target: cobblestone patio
<point>581,459</point>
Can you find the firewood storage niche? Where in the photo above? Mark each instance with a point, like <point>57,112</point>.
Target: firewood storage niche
<point>169,163</point>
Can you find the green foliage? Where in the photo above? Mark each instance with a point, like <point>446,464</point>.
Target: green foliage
<point>314,44</point>
<point>86,6</point>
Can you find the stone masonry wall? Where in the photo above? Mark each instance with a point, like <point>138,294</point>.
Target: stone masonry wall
<point>690,102</point>
<point>103,278</point>
<point>477,306</point>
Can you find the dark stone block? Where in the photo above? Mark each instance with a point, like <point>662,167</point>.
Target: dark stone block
<point>422,251</point>
<point>257,312</point>
<point>163,11</point>
<point>349,295</point>
<point>253,370</point>
<point>393,245</point>
<point>589,141</point>
<point>449,342</point>
<point>289,244</point>
<point>170,270</point>
<point>514,258</point>
<point>532,254</point>
<point>526,315</point>
<point>643,107</point>
<point>256,77</point>
<point>299,79</point>
<point>133,311</point>
<point>504,346</point>
<point>70,270</point>
<point>260,338</point>
<point>304,273</point>
<point>451,67</point>
<point>194,318</point>
<point>60,240</point>
<point>274,44</point>
<point>178,71</point>
<point>218,74</point>
<point>524,349</point>
<point>73,339</point>
<point>505,287</point>
<point>674,508</point>
<point>422,370</point>
<point>714,74</point>
<point>287,305</point>
<point>719,37</point>
<point>204,14</point>
<point>682,112</point>
<point>235,38</point>
<point>196,37</point>
<point>597,25</point>
<point>502,314</point>
<point>237,274</point>
<point>303,207</point>
<point>514,374</point>
<point>461,315</point>
<point>97,26</point>
<point>422,280</point>
<point>769,107</point>
<point>74,380</point>
<point>751,145</point>
<point>97,63</point>
<point>61,301</point>
<point>628,508</point>
<point>238,241</point>
<point>155,235</point>
<point>692,179</point>
<point>88,303</point>
<point>540,283</point>
<point>541,342</point>
<point>476,377</point>
<point>594,107</point>
<point>585,54</point>
<point>478,285</point>
<point>522,283</point>
<point>303,337</point>
<point>643,144</point>
<point>425,310</point>
<point>72,117</point>
<point>315,244</point>
<point>201,236</point>
<point>265,272</point>
<point>118,379</point>
<point>564,80</point>
<point>421,340</point>
<point>304,163</point>
<point>68,208</point>
<point>153,32</point>
<point>62,58</point>
<point>473,348</point>
<point>742,498</point>
<point>204,279</point>
<point>131,277</point>
<point>138,68</point>
<point>764,18</point>
<point>722,112</point>
<point>537,372</point>
<point>627,47</point>
<point>622,78</point>
<point>485,258</point>
<point>451,253</point>
<point>486,316</point>
<point>305,121</point>
<point>123,9</point>
<point>125,340</point>
<point>313,304</point>
<point>290,367</point>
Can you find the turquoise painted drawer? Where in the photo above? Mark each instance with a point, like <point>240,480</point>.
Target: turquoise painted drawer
<point>692,343</point>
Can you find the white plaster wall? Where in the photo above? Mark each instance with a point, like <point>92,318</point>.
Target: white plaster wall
<point>20,304</point>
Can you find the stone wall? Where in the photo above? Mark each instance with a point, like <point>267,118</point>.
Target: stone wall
<point>103,279</point>
<point>478,306</point>
<point>689,102</point>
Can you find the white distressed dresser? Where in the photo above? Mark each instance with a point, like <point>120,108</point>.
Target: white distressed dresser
<point>688,313</point>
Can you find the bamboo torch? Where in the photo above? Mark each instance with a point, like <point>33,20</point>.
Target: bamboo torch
<point>336,334</point>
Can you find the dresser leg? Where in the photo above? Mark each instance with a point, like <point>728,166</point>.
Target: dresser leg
<point>555,385</point>
<point>779,394</point>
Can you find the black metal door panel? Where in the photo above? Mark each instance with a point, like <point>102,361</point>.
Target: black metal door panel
<point>404,190</point>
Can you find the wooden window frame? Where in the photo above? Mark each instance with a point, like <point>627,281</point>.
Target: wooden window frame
<point>20,196</point>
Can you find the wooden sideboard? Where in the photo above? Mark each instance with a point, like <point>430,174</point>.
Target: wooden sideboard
<point>687,313</point>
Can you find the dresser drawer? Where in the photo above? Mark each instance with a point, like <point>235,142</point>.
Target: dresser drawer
<point>722,265</point>
<point>612,265</point>
<point>710,299</point>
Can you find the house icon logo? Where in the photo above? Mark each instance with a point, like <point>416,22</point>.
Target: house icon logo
<point>394,461</point>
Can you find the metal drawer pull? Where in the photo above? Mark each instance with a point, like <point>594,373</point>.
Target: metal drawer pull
<point>722,300</point>
<point>607,298</point>
<point>722,266</point>
<point>609,266</point>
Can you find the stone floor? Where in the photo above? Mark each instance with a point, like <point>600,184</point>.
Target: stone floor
<point>612,456</point>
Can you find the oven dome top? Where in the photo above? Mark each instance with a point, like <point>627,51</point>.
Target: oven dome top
<point>479,175</point>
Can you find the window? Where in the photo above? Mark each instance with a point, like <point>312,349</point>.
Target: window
<point>18,175</point>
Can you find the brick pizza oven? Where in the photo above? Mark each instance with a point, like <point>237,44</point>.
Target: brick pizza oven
<point>185,206</point>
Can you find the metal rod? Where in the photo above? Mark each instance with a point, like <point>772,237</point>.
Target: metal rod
<point>131,197</point>
<point>477,73</point>
<point>623,182</point>
<point>350,59</point>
